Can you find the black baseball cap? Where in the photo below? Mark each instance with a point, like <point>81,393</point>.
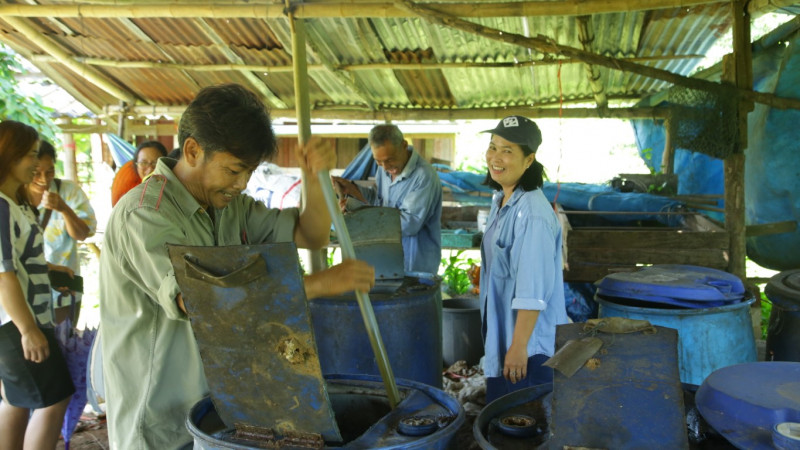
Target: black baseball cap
<point>519,130</point>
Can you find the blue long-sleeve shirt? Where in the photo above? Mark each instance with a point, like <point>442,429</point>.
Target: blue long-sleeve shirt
<point>417,193</point>
<point>521,268</point>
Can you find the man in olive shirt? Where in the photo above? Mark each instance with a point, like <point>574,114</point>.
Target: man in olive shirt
<point>152,368</point>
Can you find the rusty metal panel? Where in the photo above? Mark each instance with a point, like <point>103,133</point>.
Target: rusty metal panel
<point>250,317</point>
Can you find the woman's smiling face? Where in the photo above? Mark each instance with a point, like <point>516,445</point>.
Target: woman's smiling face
<point>25,168</point>
<point>506,162</point>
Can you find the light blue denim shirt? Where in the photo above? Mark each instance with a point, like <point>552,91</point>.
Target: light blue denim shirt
<point>521,268</point>
<point>417,193</point>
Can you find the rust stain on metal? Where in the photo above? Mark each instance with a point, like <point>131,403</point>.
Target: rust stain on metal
<point>291,349</point>
<point>262,437</point>
<point>592,363</point>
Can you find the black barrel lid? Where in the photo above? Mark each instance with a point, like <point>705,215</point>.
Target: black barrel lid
<point>783,289</point>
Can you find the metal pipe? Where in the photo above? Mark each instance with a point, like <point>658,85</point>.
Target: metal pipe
<point>304,130</point>
<point>363,297</point>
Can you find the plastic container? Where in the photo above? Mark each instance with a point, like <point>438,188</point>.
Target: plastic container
<point>363,415</point>
<point>783,333</point>
<point>536,402</point>
<point>410,324</point>
<point>461,331</point>
<point>745,402</point>
<point>709,338</point>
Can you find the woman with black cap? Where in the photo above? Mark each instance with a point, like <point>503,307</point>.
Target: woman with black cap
<point>522,288</point>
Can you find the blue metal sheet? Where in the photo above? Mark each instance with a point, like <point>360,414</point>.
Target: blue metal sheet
<point>744,402</point>
<point>250,317</point>
<point>378,239</point>
<point>629,396</point>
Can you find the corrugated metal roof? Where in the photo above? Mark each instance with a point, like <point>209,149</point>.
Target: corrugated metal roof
<point>412,63</point>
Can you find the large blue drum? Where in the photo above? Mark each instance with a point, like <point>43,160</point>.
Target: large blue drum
<point>709,308</point>
<point>410,324</point>
<point>363,415</point>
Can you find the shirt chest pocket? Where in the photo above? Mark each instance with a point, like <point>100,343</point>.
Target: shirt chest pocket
<point>501,266</point>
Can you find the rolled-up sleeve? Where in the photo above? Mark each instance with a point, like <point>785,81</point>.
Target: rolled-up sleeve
<point>532,257</point>
<point>145,238</point>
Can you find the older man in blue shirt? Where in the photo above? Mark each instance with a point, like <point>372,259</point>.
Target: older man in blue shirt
<point>409,183</point>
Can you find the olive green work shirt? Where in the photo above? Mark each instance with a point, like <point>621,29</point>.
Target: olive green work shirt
<point>152,369</point>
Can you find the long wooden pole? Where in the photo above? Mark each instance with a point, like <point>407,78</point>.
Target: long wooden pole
<point>439,114</point>
<point>348,67</point>
<point>342,9</point>
<point>739,73</point>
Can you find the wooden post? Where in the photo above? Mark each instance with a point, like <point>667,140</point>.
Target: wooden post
<point>68,157</point>
<point>668,156</point>
<point>738,71</point>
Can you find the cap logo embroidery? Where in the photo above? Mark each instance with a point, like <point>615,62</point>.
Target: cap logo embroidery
<point>510,122</point>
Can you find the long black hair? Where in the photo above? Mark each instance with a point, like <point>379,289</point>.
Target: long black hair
<point>532,178</point>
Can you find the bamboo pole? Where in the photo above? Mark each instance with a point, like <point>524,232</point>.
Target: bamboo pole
<point>82,70</point>
<point>348,67</point>
<point>342,9</point>
<point>348,252</point>
<point>546,45</point>
<point>438,114</point>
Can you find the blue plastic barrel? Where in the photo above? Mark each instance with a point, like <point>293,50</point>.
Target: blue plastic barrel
<point>708,338</point>
<point>363,415</point>
<point>532,401</point>
<point>410,324</point>
<point>709,308</point>
<point>745,402</point>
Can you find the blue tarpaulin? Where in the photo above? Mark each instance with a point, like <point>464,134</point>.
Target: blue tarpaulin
<point>772,178</point>
<point>121,150</point>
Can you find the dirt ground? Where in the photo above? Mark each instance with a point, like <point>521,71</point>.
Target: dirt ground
<point>91,434</point>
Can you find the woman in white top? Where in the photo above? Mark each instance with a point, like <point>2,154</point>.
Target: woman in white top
<point>33,371</point>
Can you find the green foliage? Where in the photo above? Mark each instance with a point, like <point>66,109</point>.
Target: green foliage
<point>766,309</point>
<point>331,257</point>
<point>647,155</point>
<point>15,106</point>
<point>470,166</point>
<point>455,275</point>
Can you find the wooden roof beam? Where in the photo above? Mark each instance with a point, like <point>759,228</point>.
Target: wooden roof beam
<point>343,9</point>
<point>343,76</point>
<point>254,81</point>
<point>398,114</point>
<point>91,74</point>
<point>586,37</point>
<point>347,67</point>
<point>546,45</point>
<point>136,31</point>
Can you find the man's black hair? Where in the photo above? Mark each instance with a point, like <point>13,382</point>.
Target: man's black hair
<point>229,118</point>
